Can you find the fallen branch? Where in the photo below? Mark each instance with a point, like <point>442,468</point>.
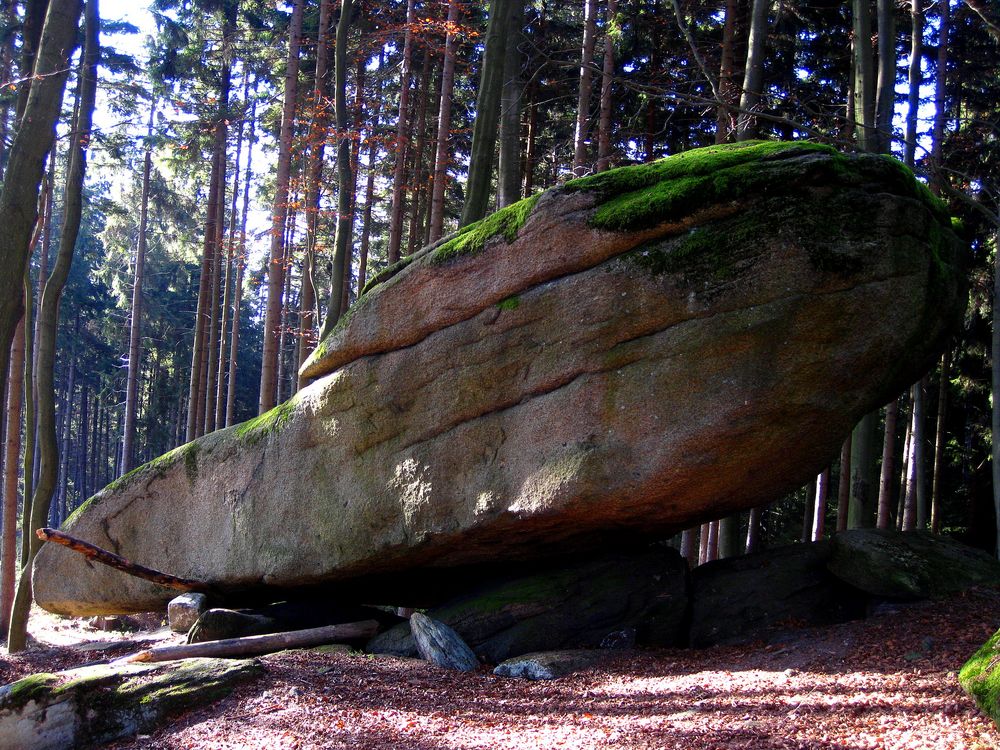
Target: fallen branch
<point>253,645</point>
<point>93,552</point>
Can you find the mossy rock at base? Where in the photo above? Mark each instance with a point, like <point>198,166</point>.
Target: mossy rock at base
<point>980,678</point>
<point>909,565</point>
<point>100,703</point>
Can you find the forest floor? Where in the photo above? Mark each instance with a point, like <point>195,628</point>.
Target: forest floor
<point>885,682</point>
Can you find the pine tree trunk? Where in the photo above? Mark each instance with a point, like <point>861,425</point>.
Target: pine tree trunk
<point>12,453</point>
<point>49,311</point>
<point>689,546</point>
<point>703,534</point>
<point>484,130</point>
<point>135,320</point>
<point>401,146</point>
<point>904,473</point>
<point>864,76</point>
<point>345,180</point>
<point>279,215</point>
<point>415,233</point>
<point>509,169</point>
<point>529,148</point>
<point>443,157</point>
<point>819,513</point>
<point>808,511</point>
<point>914,78</point>
<point>861,509</point>
<point>888,476</point>
<point>725,120</point>
<point>844,483</point>
<point>730,543</point>
<point>580,158</point>
<point>942,407</point>
<point>241,250</point>
<point>995,385</point>
<point>607,83</point>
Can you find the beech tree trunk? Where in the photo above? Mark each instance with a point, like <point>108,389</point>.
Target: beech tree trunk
<point>279,215</point>
<point>580,159</point>
<point>48,316</point>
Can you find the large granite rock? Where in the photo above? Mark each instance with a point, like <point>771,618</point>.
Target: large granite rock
<point>640,597</point>
<point>909,565</point>
<point>618,358</point>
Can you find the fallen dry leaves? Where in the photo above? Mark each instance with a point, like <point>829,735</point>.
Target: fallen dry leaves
<point>887,682</point>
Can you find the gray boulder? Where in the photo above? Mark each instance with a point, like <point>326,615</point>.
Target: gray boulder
<point>611,600</point>
<point>609,362</point>
<point>550,665</point>
<point>439,644</point>
<point>183,611</point>
<point>909,565</point>
<point>741,599</point>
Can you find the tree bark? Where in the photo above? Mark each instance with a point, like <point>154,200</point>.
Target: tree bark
<point>484,129</point>
<point>12,452</point>
<point>49,312</point>
<point>279,215</point>
<point>336,305</point>
<point>580,158</point>
<point>443,158</point>
<point>753,77</point>
<point>402,141</point>
<point>915,507</point>
<point>942,407</point>
<point>135,319</point>
<point>607,83</point>
<point>914,79</point>
<point>819,513</point>
<point>864,83</point>
<point>861,508</point>
<point>887,477</point>
<point>754,529</point>
<point>995,385</point>
<point>886,84</point>
<point>844,483</point>
<point>260,644</point>
<point>509,169</point>
<point>725,120</point>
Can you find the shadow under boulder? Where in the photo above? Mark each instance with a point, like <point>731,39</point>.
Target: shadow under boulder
<point>741,599</point>
<point>611,601</point>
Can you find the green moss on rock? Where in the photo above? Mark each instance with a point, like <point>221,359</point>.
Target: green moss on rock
<point>16,695</point>
<point>980,678</point>
<point>506,223</point>
<point>254,430</point>
<point>510,303</point>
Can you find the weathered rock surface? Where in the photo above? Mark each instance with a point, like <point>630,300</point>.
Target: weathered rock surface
<point>575,605</point>
<point>911,565</point>
<point>97,704</point>
<point>616,359</point>
<point>742,599</point>
<point>550,665</point>
<point>439,644</point>
<point>183,611</point>
<point>980,678</point>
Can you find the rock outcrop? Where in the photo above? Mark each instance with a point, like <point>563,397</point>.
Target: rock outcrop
<point>615,359</point>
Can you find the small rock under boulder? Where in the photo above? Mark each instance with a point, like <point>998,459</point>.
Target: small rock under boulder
<point>909,565</point>
<point>183,611</point>
<point>550,665</point>
<point>439,644</point>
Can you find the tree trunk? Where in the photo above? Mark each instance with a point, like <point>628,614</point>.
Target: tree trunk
<point>808,511</point>
<point>703,534</point>
<point>914,78</point>
<point>886,85</point>
<point>940,93</point>
<point>861,509</point>
<point>995,385</point>
<point>942,407</point>
<point>509,169</point>
<point>402,140</point>
<point>26,162</point>
<point>689,546</point>
<point>819,513</point>
<point>607,83</point>
<point>580,159</point>
<point>730,543</point>
<point>725,121</point>
<point>234,342</point>
<point>415,232</point>
<point>49,311</point>
<point>12,452</point>
<point>754,529</point>
<point>279,215</point>
<point>915,507</point>
<point>529,148</point>
<point>336,305</point>
<point>484,129</point>
<point>864,83</point>
<point>753,77</point>
<point>887,477</point>
<point>135,319</point>
<point>844,483</point>
<point>904,473</point>
<point>439,182</point>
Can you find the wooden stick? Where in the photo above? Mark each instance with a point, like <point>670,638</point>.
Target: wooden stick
<point>93,552</point>
<point>253,645</point>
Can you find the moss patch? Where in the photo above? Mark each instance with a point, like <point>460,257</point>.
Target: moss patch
<point>980,678</point>
<point>510,303</point>
<point>17,695</point>
<point>506,222</point>
<point>254,430</point>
